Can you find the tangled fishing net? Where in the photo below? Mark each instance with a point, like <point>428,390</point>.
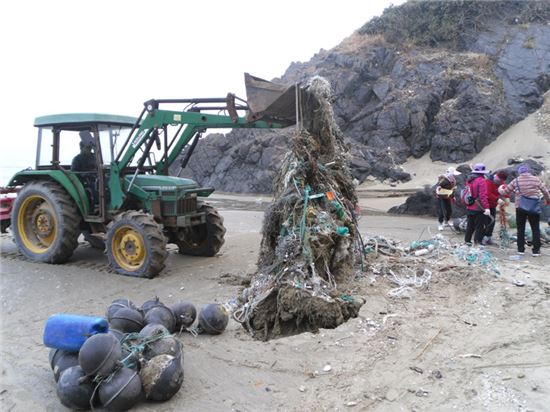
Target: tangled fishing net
<point>310,235</point>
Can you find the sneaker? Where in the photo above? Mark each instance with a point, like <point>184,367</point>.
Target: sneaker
<point>468,243</point>
<point>521,253</point>
<point>536,254</point>
<point>440,227</point>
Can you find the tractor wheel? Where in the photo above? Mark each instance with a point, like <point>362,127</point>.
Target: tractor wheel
<point>136,245</point>
<point>45,222</point>
<point>203,240</point>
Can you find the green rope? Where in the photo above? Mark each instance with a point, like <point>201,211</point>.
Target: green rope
<point>304,213</point>
<point>135,344</point>
<point>347,298</point>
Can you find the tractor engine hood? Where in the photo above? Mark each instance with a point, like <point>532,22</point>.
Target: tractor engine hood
<point>157,182</point>
<point>166,186</point>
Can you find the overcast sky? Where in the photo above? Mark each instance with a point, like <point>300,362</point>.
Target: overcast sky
<point>106,56</point>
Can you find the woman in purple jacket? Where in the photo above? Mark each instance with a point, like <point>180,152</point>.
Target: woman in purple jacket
<point>478,213</point>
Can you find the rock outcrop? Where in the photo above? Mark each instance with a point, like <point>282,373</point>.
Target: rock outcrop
<point>444,78</point>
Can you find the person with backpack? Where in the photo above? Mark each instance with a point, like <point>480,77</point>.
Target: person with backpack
<point>476,200</point>
<point>527,189</point>
<point>493,182</point>
<point>444,195</point>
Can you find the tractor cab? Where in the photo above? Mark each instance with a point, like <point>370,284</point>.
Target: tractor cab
<point>82,145</point>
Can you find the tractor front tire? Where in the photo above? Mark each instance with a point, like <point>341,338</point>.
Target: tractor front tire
<point>45,222</point>
<point>135,244</point>
<point>203,240</point>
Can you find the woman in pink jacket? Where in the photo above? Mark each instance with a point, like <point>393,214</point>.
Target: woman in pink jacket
<point>478,213</point>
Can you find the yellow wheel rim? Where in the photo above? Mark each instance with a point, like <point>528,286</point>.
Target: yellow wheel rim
<point>37,224</point>
<point>128,248</point>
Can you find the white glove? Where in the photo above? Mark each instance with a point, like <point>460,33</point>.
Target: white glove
<point>487,212</point>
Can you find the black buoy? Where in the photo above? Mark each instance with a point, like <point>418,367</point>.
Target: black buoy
<point>213,319</point>
<point>168,345</point>
<point>185,314</point>
<point>119,304</point>
<point>99,354</point>
<point>61,360</point>
<point>153,329</point>
<point>127,320</point>
<point>151,303</point>
<point>161,315</point>
<point>74,389</point>
<point>122,391</point>
<point>162,377</point>
<point>117,334</point>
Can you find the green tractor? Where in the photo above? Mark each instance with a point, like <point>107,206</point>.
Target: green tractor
<point>107,177</point>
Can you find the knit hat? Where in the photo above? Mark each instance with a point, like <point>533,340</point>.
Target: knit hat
<point>502,175</point>
<point>479,168</point>
<point>524,168</point>
<point>86,138</point>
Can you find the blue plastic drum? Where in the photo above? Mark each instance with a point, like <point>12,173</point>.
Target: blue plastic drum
<point>68,332</point>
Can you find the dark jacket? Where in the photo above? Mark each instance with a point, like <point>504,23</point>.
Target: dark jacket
<point>84,162</point>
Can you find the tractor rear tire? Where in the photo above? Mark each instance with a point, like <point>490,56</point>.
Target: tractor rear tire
<point>135,244</point>
<point>45,222</point>
<point>206,239</point>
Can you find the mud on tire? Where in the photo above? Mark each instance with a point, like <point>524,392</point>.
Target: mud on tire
<point>206,239</point>
<point>45,222</point>
<point>135,244</point>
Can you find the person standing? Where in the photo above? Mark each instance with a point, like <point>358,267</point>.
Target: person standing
<point>444,195</point>
<point>478,211</point>
<point>527,189</point>
<point>493,182</point>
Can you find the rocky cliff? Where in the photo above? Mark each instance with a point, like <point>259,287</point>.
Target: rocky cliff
<point>443,78</point>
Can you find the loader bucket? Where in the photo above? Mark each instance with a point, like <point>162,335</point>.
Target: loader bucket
<point>269,101</point>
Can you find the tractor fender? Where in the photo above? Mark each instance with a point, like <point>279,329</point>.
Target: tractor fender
<point>68,180</point>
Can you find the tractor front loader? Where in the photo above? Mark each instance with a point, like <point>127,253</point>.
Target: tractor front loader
<point>117,192</point>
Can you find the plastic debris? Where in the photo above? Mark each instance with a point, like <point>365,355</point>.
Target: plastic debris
<point>407,283</point>
<point>477,257</point>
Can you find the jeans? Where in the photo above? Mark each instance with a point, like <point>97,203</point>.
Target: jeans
<point>534,220</point>
<point>444,209</point>
<point>477,223</point>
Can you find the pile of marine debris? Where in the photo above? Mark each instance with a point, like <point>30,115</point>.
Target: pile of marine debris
<point>311,242</point>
